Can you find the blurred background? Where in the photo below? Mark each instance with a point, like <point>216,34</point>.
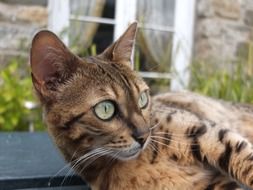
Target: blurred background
<point>205,46</point>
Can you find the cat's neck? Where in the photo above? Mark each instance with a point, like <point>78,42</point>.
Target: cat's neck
<point>98,169</point>
<point>96,172</point>
<point>105,172</point>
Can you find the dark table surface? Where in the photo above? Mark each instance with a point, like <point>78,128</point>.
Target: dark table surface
<point>31,161</point>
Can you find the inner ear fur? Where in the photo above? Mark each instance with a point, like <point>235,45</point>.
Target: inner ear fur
<point>51,62</point>
<point>123,48</point>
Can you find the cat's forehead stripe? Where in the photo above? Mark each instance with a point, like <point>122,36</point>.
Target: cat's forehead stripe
<point>117,76</point>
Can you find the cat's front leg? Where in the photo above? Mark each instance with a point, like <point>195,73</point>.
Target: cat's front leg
<point>226,150</point>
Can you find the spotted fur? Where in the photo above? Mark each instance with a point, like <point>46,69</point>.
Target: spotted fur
<point>179,140</point>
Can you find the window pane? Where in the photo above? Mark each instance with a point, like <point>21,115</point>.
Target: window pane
<point>85,33</point>
<point>156,12</point>
<point>155,44</point>
<point>153,51</point>
<point>95,8</point>
<point>154,55</point>
<point>92,38</point>
<point>103,37</point>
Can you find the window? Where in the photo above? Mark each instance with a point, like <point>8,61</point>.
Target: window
<point>170,21</point>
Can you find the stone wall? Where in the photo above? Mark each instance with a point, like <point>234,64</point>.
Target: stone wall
<point>223,30</point>
<point>18,23</point>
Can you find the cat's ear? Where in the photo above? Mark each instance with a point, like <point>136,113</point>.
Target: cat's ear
<point>123,49</point>
<point>51,62</point>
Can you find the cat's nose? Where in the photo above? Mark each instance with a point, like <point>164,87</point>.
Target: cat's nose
<point>141,139</point>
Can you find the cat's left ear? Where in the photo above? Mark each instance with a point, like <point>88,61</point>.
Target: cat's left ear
<point>123,49</point>
<point>52,63</point>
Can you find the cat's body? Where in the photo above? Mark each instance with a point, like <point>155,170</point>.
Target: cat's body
<point>99,114</point>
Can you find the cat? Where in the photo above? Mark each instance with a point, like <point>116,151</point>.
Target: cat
<point>100,115</point>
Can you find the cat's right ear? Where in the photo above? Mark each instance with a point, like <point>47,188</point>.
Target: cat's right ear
<point>51,62</point>
<point>123,49</point>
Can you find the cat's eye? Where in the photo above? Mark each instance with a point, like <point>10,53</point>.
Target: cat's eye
<point>143,100</point>
<point>105,110</point>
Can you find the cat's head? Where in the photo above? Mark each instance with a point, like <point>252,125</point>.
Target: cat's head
<point>92,103</point>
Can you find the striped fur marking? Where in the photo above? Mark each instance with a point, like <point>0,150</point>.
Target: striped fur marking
<point>240,146</point>
<point>230,186</point>
<point>222,134</point>
<point>167,137</point>
<point>224,159</point>
<point>154,153</point>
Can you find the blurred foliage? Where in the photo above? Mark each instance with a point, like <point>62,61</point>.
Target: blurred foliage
<point>16,90</point>
<point>83,52</point>
<point>233,84</point>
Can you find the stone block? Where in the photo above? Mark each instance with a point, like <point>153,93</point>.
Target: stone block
<point>16,37</point>
<point>20,13</point>
<point>228,9</point>
<point>247,4</point>
<point>18,24</point>
<point>251,35</point>
<point>242,50</point>
<point>248,18</point>
<point>204,8</point>
<point>209,27</point>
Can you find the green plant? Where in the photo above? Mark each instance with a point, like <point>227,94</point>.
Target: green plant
<point>16,90</point>
<point>235,84</point>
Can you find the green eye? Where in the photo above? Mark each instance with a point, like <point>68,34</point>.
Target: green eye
<point>104,110</point>
<point>143,100</point>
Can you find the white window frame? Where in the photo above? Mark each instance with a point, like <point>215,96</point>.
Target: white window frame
<point>183,30</point>
<point>58,17</point>
<point>183,43</point>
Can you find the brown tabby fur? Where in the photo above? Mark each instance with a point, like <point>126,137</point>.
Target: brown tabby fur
<point>191,141</point>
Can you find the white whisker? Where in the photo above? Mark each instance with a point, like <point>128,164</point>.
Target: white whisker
<point>82,158</point>
<point>172,140</point>
<point>94,157</point>
<point>174,134</point>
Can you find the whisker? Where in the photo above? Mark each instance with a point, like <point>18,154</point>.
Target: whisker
<point>101,151</point>
<point>155,126</point>
<point>150,145</point>
<point>77,161</point>
<point>181,143</point>
<point>168,146</point>
<point>88,156</point>
<point>95,157</point>
<point>154,147</point>
<point>63,168</point>
<point>180,135</point>
<point>113,157</point>
<point>57,173</point>
<point>168,133</point>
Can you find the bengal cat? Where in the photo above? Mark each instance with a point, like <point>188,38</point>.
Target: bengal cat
<point>102,118</point>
